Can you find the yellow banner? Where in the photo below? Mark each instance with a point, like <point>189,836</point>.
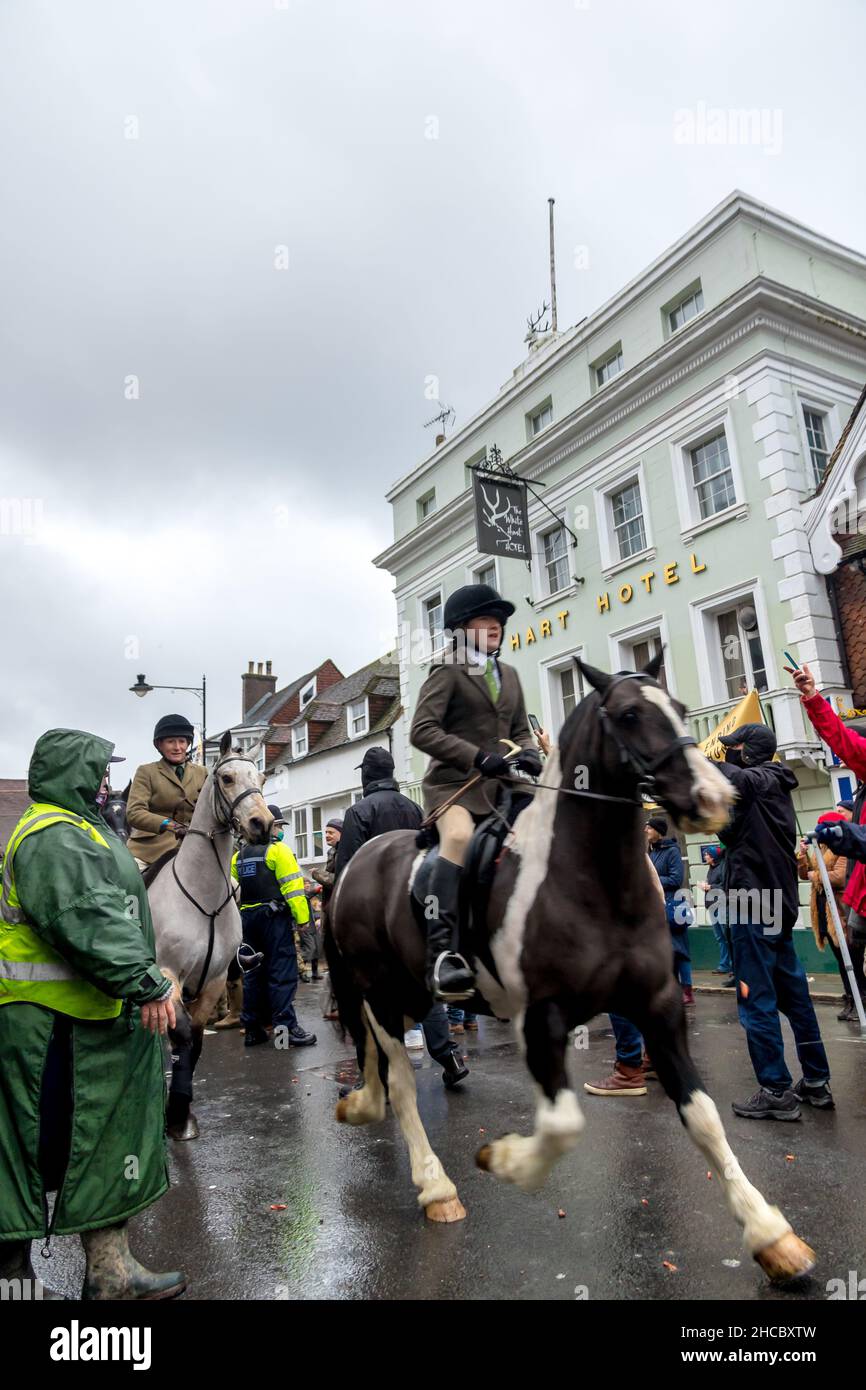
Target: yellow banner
<point>748,711</point>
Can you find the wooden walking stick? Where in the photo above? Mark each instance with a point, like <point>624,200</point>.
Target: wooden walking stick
<point>513,750</point>
<point>840,934</point>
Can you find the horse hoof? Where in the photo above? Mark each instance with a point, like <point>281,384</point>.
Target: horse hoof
<point>787,1258</point>
<point>483,1157</point>
<point>450,1210</point>
<point>188,1130</point>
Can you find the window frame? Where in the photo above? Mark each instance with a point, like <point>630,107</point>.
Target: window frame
<point>627,638</point>
<point>365,701</point>
<point>296,811</point>
<point>681,446</point>
<point>611,561</point>
<point>613,354</point>
<point>423,599</point>
<point>311,685</point>
<point>535,414</point>
<point>428,496</point>
<point>670,308</point>
<point>708,656</point>
<point>304,731</point>
<point>548,672</point>
<point>828,409</point>
<point>540,568</point>
<point>478,566</point>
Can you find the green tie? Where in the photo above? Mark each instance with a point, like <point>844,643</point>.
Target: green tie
<point>490,678</point>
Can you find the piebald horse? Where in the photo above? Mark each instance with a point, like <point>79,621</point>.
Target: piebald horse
<point>575,927</point>
<point>196,919</point>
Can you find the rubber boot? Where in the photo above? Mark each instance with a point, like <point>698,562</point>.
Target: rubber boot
<point>15,1265</point>
<point>448,977</point>
<point>113,1273</point>
<point>235,993</point>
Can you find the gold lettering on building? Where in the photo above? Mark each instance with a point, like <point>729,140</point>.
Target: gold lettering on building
<point>670,573</point>
<point>515,641</point>
<point>647,580</point>
<point>603,603</point>
<point>545,627</point>
<point>530,636</point>
<point>696,568</point>
<point>625,593</point>
<point>563,617</point>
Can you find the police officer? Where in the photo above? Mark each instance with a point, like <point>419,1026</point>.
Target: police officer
<point>273,904</point>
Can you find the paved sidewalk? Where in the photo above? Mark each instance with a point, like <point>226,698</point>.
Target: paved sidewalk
<point>826,989</point>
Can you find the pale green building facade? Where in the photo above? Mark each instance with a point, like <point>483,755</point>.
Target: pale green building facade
<point>679,432</point>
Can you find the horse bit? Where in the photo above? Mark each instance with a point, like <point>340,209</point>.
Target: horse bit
<point>227,826</point>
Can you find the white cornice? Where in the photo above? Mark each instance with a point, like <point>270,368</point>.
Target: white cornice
<point>759,305</point>
<point>737,204</point>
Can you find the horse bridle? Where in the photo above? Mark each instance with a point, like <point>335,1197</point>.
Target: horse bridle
<point>642,767</point>
<point>228,825</point>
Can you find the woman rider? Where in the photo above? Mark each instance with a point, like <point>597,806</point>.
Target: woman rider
<point>468,704</point>
<point>163,794</point>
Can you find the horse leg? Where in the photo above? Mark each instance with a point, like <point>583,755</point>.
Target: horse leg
<point>368,1103</point>
<point>766,1234</point>
<point>527,1159</point>
<point>181,1122</point>
<point>436,1192</point>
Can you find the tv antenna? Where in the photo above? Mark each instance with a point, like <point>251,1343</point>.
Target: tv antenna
<point>445,417</point>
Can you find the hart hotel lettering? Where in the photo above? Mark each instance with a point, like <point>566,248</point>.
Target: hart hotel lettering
<point>668,574</point>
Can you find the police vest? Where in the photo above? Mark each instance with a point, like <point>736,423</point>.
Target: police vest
<point>31,972</point>
<point>258,882</point>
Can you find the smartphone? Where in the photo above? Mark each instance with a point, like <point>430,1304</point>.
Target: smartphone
<point>788,657</point>
<point>535,724</point>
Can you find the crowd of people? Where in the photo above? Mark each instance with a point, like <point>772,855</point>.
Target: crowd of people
<point>83,1002</point>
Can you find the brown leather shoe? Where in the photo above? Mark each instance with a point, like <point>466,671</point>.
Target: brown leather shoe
<point>623,1081</point>
<point>688,994</point>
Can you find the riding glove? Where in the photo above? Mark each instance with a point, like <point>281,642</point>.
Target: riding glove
<point>528,761</point>
<point>492,764</point>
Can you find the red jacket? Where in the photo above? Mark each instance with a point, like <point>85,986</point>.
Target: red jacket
<point>851,748</point>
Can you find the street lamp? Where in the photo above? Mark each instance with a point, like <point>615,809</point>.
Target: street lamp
<point>142,688</point>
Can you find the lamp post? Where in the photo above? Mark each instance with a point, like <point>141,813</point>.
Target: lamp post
<point>142,688</point>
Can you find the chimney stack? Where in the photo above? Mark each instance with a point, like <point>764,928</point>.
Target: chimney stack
<point>255,683</point>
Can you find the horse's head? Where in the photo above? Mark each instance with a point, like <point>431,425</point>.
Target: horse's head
<point>114,813</point>
<point>237,794</point>
<point>645,742</point>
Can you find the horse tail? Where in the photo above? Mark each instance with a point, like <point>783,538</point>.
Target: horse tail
<point>347,995</point>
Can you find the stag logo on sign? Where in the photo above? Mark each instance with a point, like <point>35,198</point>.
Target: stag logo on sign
<point>501,524</point>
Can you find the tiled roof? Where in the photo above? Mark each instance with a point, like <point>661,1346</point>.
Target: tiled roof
<point>378,678</point>
<point>13,802</point>
<point>264,709</point>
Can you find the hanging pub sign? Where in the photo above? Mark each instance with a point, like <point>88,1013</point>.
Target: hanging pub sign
<point>501,521</point>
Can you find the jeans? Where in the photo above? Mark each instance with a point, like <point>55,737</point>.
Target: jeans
<point>458,1015</point>
<point>720,932</point>
<point>270,990</point>
<point>436,1033</point>
<point>682,958</point>
<point>776,982</point>
<point>629,1043</point>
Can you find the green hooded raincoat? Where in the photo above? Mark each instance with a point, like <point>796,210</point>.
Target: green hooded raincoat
<point>90,905</point>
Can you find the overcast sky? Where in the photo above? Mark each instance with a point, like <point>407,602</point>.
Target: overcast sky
<point>201,439</point>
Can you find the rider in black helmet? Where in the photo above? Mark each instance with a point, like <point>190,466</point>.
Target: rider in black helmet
<point>163,794</point>
<point>470,702</point>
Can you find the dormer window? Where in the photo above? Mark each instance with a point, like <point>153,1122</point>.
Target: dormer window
<point>308,693</point>
<point>358,718</point>
<point>609,366</point>
<point>299,741</point>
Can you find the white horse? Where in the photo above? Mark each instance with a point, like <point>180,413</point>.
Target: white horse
<point>196,919</point>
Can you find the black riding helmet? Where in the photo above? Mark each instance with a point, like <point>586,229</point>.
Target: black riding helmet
<point>475,601</point>
<point>759,743</point>
<point>173,726</point>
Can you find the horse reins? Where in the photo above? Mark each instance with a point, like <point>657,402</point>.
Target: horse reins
<point>227,826</point>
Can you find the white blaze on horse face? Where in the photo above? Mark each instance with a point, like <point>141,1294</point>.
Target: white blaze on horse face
<point>762,1224</point>
<point>713,794</point>
<point>531,840</point>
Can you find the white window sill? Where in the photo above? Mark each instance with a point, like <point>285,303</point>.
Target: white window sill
<point>550,600</point>
<point>738,512</point>
<point>637,559</point>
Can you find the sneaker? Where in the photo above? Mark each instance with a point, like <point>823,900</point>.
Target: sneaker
<point>766,1105</point>
<point>818,1094</point>
<point>413,1039</point>
<point>623,1081</point>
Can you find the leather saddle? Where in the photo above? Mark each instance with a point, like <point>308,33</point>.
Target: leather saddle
<point>150,873</point>
<point>476,881</point>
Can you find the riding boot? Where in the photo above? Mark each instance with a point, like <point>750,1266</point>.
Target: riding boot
<point>18,1276</point>
<point>235,992</point>
<point>847,1006</point>
<point>449,977</point>
<point>114,1273</point>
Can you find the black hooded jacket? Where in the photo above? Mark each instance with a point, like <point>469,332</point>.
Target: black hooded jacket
<point>761,837</point>
<point>382,807</point>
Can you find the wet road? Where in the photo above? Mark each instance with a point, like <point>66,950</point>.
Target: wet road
<point>352,1228</point>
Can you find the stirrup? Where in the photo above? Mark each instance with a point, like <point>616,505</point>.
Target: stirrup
<point>247,958</point>
<point>451,996</point>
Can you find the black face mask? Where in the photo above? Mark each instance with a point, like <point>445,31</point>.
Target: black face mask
<point>734,756</point>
